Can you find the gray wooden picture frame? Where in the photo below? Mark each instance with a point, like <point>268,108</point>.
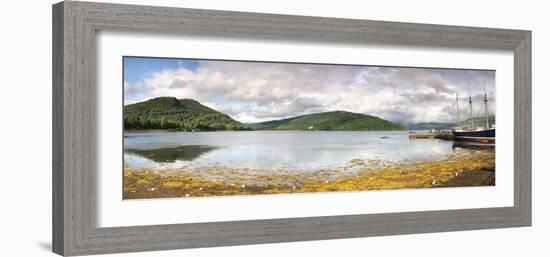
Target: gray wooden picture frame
<point>75,25</point>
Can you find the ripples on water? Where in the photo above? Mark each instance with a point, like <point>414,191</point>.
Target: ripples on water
<point>301,151</point>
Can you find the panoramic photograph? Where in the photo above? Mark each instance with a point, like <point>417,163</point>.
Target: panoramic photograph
<point>197,128</point>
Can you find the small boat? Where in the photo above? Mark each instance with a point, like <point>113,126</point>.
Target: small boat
<point>472,133</point>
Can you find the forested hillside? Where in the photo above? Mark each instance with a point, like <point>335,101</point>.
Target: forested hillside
<point>337,120</point>
<point>176,114</point>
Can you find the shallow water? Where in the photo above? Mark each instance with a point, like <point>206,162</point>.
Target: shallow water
<point>277,150</point>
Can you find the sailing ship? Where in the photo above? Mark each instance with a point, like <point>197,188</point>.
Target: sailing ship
<point>470,132</point>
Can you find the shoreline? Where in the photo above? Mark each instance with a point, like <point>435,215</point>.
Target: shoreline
<point>476,169</point>
<point>253,130</point>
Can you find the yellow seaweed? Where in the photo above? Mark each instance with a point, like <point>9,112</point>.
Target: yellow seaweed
<point>476,169</point>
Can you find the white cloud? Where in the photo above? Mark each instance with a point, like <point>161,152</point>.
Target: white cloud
<point>250,91</point>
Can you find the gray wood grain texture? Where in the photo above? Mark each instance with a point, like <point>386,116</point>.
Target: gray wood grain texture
<point>75,25</point>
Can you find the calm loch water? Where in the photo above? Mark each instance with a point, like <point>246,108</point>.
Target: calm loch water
<point>270,150</point>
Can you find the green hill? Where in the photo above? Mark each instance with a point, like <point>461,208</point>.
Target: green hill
<point>272,124</point>
<point>337,120</point>
<point>177,114</point>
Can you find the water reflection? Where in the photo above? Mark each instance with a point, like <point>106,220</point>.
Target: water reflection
<point>173,154</point>
<point>277,150</point>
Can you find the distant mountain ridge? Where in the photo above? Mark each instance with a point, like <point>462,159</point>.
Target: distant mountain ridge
<point>478,122</point>
<point>176,114</point>
<point>330,121</point>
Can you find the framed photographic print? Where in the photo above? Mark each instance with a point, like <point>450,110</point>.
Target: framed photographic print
<point>182,128</point>
<point>216,128</point>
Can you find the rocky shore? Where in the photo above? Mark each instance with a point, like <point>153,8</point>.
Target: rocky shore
<point>474,169</point>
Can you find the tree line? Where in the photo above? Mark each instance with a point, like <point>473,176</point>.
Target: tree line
<point>201,123</point>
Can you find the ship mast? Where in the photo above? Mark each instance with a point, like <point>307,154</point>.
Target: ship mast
<point>457,112</point>
<point>486,111</point>
<point>471,114</point>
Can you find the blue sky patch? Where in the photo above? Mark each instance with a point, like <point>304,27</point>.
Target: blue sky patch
<point>137,69</point>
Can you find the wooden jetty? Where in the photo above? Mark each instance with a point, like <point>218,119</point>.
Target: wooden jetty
<point>414,135</point>
<point>445,135</point>
<point>432,134</point>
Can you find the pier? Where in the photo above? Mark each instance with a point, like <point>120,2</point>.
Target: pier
<point>445,135</point>
<point>414,135</point>
<point>432,134</point>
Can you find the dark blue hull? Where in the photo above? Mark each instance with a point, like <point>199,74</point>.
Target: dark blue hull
<point>488,133</point>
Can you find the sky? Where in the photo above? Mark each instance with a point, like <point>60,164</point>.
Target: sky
<point>262,91</point>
